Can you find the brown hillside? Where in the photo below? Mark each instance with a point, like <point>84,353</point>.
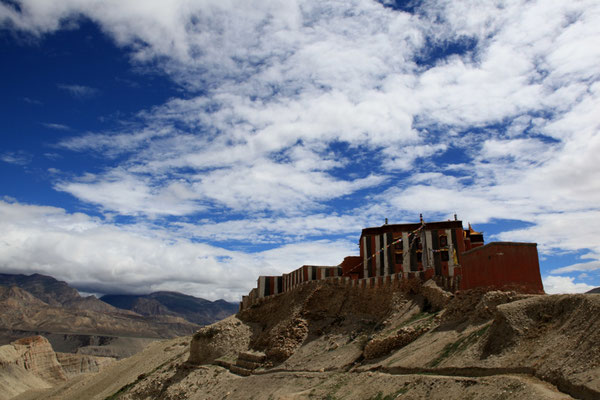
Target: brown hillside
<point>20,310</point>
<point>328,341</point>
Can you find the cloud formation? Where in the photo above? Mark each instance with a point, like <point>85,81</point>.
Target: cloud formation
<point>59,127</point>
<point>101,257</point>
<point>79,91</point>
<point>16,157</point>
<point>305,119</point>
<point>564,284</point>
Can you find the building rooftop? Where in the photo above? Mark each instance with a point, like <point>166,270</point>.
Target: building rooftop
<point>388,228</point>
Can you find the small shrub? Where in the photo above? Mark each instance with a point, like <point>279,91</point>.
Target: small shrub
<point>206,333</point>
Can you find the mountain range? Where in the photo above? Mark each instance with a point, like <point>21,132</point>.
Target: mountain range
<point>192,309</point>
<point>42,305</point>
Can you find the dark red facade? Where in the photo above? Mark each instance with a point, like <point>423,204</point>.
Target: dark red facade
<point>432,248</point>
<point>350,267</point>
<point>502,266</point>
<point>445,249</point>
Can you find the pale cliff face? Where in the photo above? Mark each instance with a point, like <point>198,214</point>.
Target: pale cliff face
<point>35,355</point>
<point>31,363</point>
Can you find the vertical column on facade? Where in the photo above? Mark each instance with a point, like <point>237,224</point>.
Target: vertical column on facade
<point>385,254</point>
<point>261,286</point>
<point>405,253</point>
<point>390,254</point>
<point>365,258</point>
<point>294,278</point>
<point>450,252</point>
<point>377,255</point>
<point>423,238</point>
<point>428,249</point>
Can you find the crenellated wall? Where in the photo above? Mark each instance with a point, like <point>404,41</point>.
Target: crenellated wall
<point>450,284</point>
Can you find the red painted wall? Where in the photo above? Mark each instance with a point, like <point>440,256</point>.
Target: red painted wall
<point>352,265</point>
<point>502,265</point>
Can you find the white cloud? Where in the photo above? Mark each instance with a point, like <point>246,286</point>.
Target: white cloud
<point>17,158</point>
<point>285,82</point>
<point>263,185</point>
<point>588,266</point>
<point>79,91</point>
<point>112,144</point>
<point>107,258</point>
<point>564,284</point>
<point>59,127</point>
<point>31,101</point>
<point>561,231</point>
<point>276,230</point>
<point>268,185</point>
<point>134,195</point>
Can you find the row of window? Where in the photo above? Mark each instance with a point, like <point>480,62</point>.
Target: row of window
<point>443,242</point>
<point>443,255</point>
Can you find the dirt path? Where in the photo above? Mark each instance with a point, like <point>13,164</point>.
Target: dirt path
<point>527,375</point>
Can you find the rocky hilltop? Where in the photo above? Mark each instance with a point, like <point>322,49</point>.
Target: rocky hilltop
<point>324,340</point>
<point>54,292</point>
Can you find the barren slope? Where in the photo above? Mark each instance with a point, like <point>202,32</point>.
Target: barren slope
<point>329,341</point>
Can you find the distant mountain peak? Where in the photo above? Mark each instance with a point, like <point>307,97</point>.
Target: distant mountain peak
<point>168,303</point>
<point>162,303</point>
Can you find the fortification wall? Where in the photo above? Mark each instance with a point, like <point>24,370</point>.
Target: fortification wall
<point>405,280</point>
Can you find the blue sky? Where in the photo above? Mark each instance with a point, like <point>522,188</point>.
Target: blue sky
<point>194,145</point>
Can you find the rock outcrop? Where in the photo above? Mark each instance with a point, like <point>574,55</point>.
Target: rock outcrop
<point>224,339</point>
<point>437,297</point>
<point>31,363</point>
<point>35,354</point>
<point>380,346</point>
<point>77,364</point>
